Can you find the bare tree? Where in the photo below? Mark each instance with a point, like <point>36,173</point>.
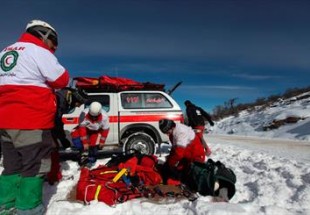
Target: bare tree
<point>231,108</point>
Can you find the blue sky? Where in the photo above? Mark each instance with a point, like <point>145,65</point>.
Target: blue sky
<point>220,49</point>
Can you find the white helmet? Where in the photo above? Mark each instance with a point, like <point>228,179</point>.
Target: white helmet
<point>42,29</point>
<point>37,22</point>
<point>95,108</point>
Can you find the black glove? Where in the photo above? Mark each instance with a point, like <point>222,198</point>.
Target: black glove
<point>65,143</point>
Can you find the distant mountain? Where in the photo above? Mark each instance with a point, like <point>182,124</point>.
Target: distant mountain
<point>287,118</point>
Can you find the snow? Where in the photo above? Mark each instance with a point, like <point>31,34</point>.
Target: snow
<point>266,184</point>
<point>251,123</point>
<point>272,169</point>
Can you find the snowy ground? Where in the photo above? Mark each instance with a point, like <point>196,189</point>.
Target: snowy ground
<point>273,175</point>
<point>267,183</point>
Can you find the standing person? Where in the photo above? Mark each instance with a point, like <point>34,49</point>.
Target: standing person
<point>186,148</point>
<point>67,99</point>
<point>94,124</point>
<point>196,119</point>
<point>29,73</point>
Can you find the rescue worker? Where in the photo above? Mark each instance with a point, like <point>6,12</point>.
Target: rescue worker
<point>186,148</point>
<point>196,119</point>
<point>94,124</point>
<point>29,73</point>
<point>67,100</point>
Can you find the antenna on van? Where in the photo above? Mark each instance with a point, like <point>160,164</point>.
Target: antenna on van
<point>169,92</point>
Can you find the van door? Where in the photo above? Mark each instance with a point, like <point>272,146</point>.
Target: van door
<point>71,120</point>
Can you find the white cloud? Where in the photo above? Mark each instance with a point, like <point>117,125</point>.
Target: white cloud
<point>255,77</point>
<point>218,87</point>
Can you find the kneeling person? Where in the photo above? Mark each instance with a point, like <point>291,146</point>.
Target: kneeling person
<point>93,122</point>
<point>186,148</point>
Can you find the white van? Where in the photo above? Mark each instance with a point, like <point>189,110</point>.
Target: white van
<point>133,116</point>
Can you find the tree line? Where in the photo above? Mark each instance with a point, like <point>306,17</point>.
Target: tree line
<point>232,108</point>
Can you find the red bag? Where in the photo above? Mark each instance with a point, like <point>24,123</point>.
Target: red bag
<point>119,84</point>
<point>98,185</point>
<point>144,169</point>
<point>152,86</point>
<point>115,84</point>
<point>86,82</point>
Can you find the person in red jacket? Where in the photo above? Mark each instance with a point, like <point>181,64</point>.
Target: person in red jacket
<point>186,147</point>
<point>93,126</point>
<point>29,74</point>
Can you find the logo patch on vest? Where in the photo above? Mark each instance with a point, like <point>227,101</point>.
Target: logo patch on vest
<point>9,60</point>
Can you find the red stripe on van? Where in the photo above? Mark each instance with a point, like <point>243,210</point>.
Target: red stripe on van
<point>131,118</point>
<point>147,118</point>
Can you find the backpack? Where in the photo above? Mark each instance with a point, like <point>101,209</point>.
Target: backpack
<point>122,179</point>
<point>201,178</point>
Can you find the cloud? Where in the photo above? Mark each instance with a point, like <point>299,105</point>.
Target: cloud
<point>218,87</point>
<point>256,77</point>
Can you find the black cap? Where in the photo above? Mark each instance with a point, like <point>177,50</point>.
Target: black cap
<point>187,102</point>
<point>166,124</point>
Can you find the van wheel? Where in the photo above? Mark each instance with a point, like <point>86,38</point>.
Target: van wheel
<point>140,142</point>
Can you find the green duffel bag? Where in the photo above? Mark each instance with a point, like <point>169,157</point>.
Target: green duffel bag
<point>211,179</point>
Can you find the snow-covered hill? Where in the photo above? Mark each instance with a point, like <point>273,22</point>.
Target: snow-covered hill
<point>263,121</point>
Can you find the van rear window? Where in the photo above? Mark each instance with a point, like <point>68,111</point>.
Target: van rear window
<point>103,99</point>
<point>144,101</point>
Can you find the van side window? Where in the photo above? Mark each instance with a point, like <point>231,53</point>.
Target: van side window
<point>131,100</point>
<point>156,100</point>
<point>144,101</point>
<point>103,99</point>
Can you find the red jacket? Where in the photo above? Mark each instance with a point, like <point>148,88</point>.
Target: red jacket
<point>89,129</point>
<point>186,145</point>
<point>29,73</point>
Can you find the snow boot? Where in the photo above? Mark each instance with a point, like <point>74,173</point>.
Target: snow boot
<point>29,198</point>
<point>9,185</point>
<point>83,158</point>
<point>92,155</point>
